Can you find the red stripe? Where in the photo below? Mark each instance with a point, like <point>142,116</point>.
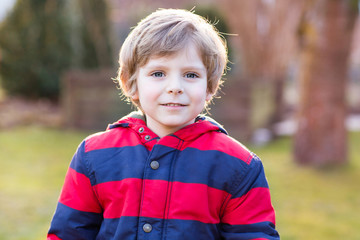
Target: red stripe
<point>120,198</point>
<point>52,237</point>
<point>126,137</point>
<point>223,143</point>
<point>78,194</point>
<point>251,208</point>
<point>212,141</point>
<point>187,201</point>
<point>154,198</point>
<point>111,138</point>
<point>190,201</point>
<point>170,141</point>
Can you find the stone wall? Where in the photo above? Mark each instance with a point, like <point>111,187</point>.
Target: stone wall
<point>90,99</point>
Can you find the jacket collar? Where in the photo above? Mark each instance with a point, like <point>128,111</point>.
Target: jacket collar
<point>136,120</point>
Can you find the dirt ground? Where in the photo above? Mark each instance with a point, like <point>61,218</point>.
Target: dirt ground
<point>16,111</point>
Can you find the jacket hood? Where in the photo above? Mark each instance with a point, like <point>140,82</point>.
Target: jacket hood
<point>203,124</point>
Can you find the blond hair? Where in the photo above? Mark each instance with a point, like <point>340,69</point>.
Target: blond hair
<point>164,32</point>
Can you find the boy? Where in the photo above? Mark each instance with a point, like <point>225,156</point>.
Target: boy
<point>166,172</point>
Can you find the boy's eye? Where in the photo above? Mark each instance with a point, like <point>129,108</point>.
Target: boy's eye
<point>157,74</point>
<point>191,75</point>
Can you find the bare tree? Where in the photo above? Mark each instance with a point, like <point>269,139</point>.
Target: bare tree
<point>326,33</point>
<point>281,51</point>
<point>264,48</point>
<point>248,48</point>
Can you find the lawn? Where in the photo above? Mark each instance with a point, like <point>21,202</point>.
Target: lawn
<point>33,162</point>
<point>314,204</point>
<point>310,204</point>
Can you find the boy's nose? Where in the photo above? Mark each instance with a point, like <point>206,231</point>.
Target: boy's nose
<point>174,86</point>
<point>175,91</point>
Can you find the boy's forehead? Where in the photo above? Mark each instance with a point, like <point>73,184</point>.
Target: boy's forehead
<point>183,57</point>
<point>188,49</point>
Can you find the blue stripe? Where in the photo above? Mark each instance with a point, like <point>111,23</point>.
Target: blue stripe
<point>71,224</point>
<point>188,229</point>
<point>126,227</point>
<point>111,164</point>
<point>115,164</point>
<point>119,228</point>
<point>213,168</point>
<point>77,160</point>
<point>254,178</point>
<point>250,231</point>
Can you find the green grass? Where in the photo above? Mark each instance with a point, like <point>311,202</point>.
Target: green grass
<point>314,204</point>
<point>33,162</point>
<point>310,204</point>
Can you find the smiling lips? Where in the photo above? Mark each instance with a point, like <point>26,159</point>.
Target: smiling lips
<point>173,105</point>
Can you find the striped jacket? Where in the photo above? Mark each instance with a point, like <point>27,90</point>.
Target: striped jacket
<point>198,183</point>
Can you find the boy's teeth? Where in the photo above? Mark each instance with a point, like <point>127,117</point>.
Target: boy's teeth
<point>172,104</point>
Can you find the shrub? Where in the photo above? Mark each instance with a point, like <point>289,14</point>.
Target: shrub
<point>35,48</point>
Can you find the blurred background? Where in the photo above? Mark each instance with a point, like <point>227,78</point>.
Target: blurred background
<point>291,94</point>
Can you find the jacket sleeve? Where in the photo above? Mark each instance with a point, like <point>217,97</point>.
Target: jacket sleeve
<point>78,214</point>
<point>249,213</point>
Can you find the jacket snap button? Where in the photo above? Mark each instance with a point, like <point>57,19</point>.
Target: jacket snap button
<point>141,130</point>
<point>154,165</point>
<point>147,137</point>
<point>147,227</point>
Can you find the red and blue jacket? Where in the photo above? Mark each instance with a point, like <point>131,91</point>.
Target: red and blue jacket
<point>197,183</point>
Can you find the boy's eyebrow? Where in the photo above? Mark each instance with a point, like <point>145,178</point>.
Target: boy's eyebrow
<point>163,66</point>
<point>151,66</point>
<point>194,68</point>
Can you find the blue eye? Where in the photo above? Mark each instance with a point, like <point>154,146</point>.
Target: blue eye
<point>191,75</point>
<point>157,74</point>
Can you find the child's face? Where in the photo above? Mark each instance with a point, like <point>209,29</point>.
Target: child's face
<point>172,90</point>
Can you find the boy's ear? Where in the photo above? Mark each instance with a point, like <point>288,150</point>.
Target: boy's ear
<point>135,96</point>
<point>209,96</point>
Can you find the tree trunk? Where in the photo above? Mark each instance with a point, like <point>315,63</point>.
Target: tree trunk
<point>265,46</point>
<point>96,21</point>
<point>321,138</point>
<point>282,50</point>
<point>237,107</point>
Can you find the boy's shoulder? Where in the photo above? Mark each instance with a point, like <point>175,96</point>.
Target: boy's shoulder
<point>221,141</point>
<point>230,146</point>
<point>118,134</point>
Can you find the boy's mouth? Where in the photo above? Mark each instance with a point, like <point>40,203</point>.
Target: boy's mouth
<point>174,105</point>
